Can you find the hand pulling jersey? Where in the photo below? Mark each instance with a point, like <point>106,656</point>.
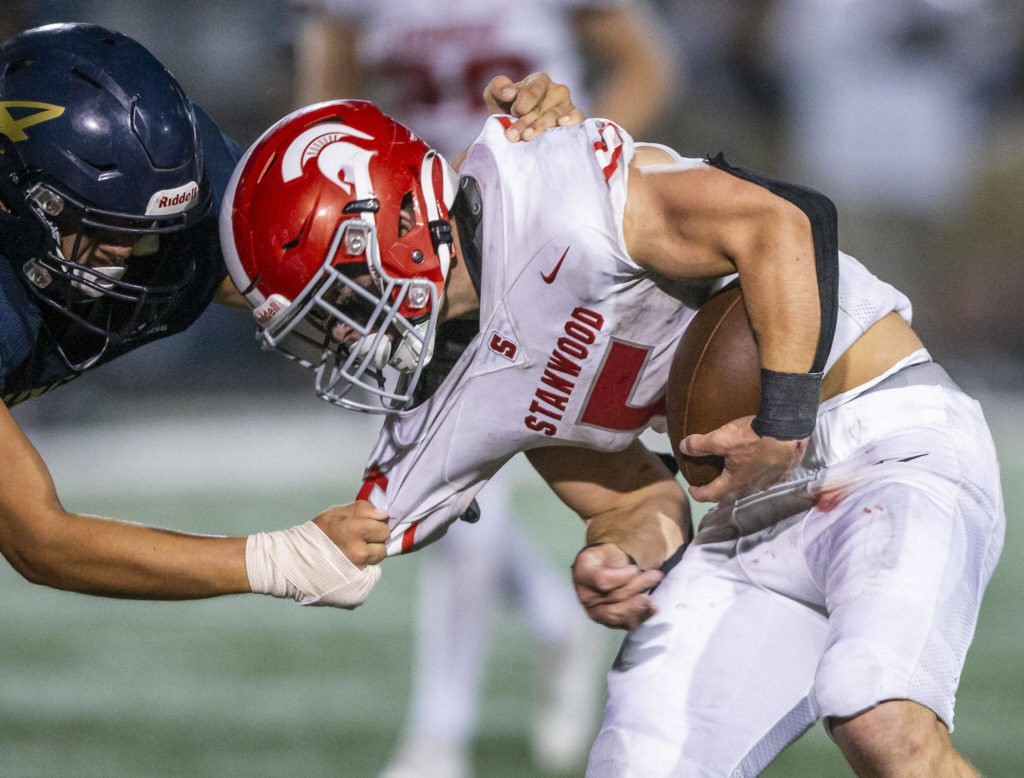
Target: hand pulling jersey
<point>575,339</point>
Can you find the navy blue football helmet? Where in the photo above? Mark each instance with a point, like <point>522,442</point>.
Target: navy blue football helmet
<point>101,171</point>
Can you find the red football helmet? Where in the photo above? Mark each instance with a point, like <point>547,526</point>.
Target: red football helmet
<point>335,228</point>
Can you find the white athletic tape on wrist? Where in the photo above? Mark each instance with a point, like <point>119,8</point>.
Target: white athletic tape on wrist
<point>304,564</point>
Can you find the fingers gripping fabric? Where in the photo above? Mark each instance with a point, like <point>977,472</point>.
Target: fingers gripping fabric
<point>304,564</point>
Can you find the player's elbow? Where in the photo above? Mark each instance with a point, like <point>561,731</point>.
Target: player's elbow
<point>669,503</point>
<point>32,545</point>
<point>775,230</point>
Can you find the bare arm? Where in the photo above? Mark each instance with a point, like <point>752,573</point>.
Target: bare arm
<point>639,70</point>
<point>327,65</point>
<point>52,547</point>
<point>636,515</point>
<point>626,497</point>
<point>703,222</point>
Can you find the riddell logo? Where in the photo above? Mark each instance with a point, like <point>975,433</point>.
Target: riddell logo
<point>168,201</point>
<point>265,312</point>
<point>178,199</point>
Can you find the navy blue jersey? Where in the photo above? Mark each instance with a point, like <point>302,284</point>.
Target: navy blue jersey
<point>30,363</point>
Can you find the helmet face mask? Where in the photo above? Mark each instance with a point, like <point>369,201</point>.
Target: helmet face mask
<point>344,255</point>
<point>98,185</point>
<point>348,328</point>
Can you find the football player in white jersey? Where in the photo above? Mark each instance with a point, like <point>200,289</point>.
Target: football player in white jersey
<point>381,50</point>
<point>860,516</point>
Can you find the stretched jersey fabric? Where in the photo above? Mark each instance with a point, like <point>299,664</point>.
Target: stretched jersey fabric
<point>575,339</point>
<point>30,363</point>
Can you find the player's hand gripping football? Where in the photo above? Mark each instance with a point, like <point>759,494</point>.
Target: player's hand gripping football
<point>358,529</point>
<point>752,463</point>
<point>537,102</point>
<point>612,589</point>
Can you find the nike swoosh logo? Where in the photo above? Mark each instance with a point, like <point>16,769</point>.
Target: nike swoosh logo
<point>550,277</point>
<point>904,459</point>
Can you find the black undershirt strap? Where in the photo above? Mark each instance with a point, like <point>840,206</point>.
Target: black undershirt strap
<point>824,232</point>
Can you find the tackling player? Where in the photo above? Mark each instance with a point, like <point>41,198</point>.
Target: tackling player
<point>110,181</point>
<point>861,514</point>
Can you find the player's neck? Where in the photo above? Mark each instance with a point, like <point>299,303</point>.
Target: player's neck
<point>460,299</point>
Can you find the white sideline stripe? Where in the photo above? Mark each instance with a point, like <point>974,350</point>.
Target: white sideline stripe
<point>227,448</point>
<point>217,450</point>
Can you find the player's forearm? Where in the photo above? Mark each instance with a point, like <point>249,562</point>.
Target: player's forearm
<point>327,64</point>
<point>649,529</point>
<point>634,95</point>
<point>639,68</point>
<point>789,269</point>
<point>104,557</point>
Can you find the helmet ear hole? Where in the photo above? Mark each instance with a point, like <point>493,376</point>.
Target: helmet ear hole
<point>407,214</point>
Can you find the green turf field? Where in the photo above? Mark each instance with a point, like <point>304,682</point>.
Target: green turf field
<point>257,687</point>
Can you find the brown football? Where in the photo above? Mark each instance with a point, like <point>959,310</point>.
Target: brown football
<point>715,378</point>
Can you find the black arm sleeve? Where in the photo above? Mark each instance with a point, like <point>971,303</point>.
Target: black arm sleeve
<point>824,231</point>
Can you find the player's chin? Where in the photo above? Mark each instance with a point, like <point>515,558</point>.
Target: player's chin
<point>704,493</point>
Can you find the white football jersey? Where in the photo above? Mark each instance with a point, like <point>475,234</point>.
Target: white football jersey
<point>575,342</point>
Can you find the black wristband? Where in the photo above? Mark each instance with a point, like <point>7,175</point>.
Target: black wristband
<point>789,404</point>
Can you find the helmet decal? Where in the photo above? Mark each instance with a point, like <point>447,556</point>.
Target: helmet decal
<point>15,128</point>
<point>341,161</point>
<point>176,200</point>
<point>320,142</point>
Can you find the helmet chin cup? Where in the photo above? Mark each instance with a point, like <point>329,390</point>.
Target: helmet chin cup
<point>407,355</point>
<point>90,280</point>
<point>373,349</point>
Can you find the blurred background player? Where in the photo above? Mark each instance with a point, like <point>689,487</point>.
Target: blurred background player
<point>884,103</point>
<point>109,184</point>
<point>427,63</point>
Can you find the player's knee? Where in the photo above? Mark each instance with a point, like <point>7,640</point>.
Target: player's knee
<point>897,738</point>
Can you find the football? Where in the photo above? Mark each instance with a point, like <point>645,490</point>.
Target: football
<point>715,377</point>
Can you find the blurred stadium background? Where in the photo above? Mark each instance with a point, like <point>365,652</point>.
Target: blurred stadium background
<point>203,432</point>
